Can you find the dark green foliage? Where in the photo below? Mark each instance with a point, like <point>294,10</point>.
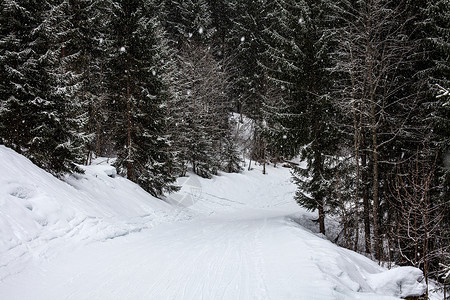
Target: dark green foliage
<point>188,21</point>
<point>137,70</point>
<point>201,111</point>
<point>231,160</point>
<point>37,117</point>
<point>297,57</point>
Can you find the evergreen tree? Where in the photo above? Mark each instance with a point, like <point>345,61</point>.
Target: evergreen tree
<point>436,34</point>
<point>298,57</point>
<point>38,113</point>
<point>223,13</point>
<point>202,111</point>
<point>188,21</point>
<point>91,19</point>
<point>17,19</point>
<point>138,87</point>
<point>375,86</point>
<point>231,159</point>
<point>421,179</point>
<point>247,39</point>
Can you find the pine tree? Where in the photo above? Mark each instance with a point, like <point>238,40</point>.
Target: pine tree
<point>17,19</point>
<point>376,86</point>
<point>231,159</point>
<point>138,87</point>
<point>421,179</point>
<point>202,111</point>
<point>247,39</point>
<point>91,19</point>
<point>297,61</point>
<point>188,21</point>
<point>439,19</point>
<point>37,113</point>
<point>223,13</point>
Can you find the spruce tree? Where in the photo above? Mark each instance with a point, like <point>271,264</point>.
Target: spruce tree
<point>297,61</point>
<point>91,42</point>
<point>377,85</point>
<point>202,111</point>
<point>421,178</point>
<point>188,21</point>
<point>37,113</point>
<point>231,160</point>
<point>138,87</point>
<point>17,19</point>
<point>223,13</point>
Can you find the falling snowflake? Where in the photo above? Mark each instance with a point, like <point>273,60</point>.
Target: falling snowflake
<point>243,39</point>
<point>200,30</point>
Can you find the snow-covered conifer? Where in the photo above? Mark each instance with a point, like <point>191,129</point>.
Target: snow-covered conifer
<point>138,86</point>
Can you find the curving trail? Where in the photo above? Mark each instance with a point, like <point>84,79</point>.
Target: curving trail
<point>240,244</point>
<point>253,255</point>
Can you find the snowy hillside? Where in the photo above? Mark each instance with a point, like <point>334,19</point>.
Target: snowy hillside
<point>99,236</point>
<point>39,213</point>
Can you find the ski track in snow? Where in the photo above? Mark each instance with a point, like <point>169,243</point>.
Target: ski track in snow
<point>234,238</point>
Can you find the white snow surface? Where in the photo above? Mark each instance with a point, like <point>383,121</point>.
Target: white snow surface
<point>99,236</point>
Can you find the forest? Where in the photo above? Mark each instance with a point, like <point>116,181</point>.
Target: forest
<point>356,88</point>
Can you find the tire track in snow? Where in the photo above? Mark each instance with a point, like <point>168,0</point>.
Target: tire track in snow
<point>262,287</point>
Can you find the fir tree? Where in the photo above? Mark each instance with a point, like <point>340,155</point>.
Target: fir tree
<point>202,112</point>
<point>297,61</point>
<point>139,92</point>
<point>37,114</point>
<point>91,42</point>
<point>188,21</point>
<point>223,13</point>
<point>231,159</point>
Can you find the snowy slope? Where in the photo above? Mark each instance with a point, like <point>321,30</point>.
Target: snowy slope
<point>241,243</point>
<point>40,214</point>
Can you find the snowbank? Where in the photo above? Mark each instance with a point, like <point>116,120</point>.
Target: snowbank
<point>400,282</point>
<point>40,213</point>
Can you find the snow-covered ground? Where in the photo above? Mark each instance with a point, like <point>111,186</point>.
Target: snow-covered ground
<point>99,236</point>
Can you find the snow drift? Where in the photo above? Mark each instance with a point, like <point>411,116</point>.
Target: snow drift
<point>39,213</point>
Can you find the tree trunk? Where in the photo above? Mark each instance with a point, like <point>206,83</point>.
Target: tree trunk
<point>366,204</point>
<point>375,189</point>
<point>318,169</point>
<point>264,157</point>
<point>372,85</point>
<point>129,159</point>
<point>320,207</point>
<point>357,120</point>
<point>357,146</point>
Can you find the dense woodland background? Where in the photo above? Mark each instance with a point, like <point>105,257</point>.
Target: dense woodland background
<point>357,88</point>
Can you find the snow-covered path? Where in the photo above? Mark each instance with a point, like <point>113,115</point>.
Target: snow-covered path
<point>253,255</point>
<point>232,237</point>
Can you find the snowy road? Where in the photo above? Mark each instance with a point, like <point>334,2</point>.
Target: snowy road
<point>254,255</point>
<point>231,237</point>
